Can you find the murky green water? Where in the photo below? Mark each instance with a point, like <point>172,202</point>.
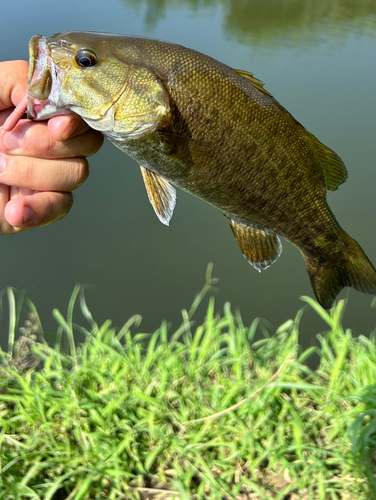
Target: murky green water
<point>317,59</point>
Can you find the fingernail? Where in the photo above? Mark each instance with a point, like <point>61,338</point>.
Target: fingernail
<point>12,141</point>
<point>27,215</point>
<point>2,163</point>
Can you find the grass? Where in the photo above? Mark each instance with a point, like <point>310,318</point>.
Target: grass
<point>204,412</point>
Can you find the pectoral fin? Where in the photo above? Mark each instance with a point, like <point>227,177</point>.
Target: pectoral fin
<point>260,246</point>
<point>161,195</point>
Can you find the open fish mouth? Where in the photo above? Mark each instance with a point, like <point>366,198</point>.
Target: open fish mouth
<point>44,84</point>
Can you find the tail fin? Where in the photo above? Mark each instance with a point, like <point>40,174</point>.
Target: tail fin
<point>352,268</point>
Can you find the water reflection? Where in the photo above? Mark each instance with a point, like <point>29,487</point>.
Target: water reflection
<point>293,23</point>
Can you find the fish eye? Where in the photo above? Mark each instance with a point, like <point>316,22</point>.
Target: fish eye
<point>86,58</point>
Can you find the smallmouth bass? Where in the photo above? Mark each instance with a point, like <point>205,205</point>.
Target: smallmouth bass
<point>215,132</point>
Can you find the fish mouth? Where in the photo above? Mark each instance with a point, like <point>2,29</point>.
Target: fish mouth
<point>43,79</point>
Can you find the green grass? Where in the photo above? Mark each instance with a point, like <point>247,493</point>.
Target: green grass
<point>203,412</point>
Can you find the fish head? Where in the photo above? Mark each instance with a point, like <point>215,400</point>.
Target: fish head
<point>104,82</point>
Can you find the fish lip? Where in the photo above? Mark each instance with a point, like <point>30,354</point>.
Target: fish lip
<point>43,72</point>
<point>39,63</point>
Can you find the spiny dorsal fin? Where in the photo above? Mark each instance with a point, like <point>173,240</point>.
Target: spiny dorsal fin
<point>260,246</point>
<point>161,195</point>
<point>254,81</point>
<point>334,170</point>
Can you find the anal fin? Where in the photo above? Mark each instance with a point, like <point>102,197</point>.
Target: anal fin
<point>161,195</point>
<point>260,246</point>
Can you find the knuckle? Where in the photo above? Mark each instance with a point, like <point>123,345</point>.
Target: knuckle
<point>49,204</point>
<point>28,171</point>
<point>38,142</point>
<point>68,203</point>
<point>95,142</point>
<point>34,141</point>
<point>19,170</point>
<point>79,172</point>
<point>61,206</point>
<point>49,147</point>
<point>83,170</point>
<point>52,209</point>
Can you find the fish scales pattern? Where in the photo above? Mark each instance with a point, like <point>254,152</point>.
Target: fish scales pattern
<point>216,133</point>
<point>253,158</point>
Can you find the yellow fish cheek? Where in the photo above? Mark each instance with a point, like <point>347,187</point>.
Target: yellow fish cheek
<point>93,91</point>
<point>142,105</point>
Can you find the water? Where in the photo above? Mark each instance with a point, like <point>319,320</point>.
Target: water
<point>317,59</point>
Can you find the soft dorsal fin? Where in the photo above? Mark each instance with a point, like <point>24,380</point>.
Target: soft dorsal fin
<point>333,168</point>
<point>254,81</point>
<point>161,195</point>
<point>260,246</point>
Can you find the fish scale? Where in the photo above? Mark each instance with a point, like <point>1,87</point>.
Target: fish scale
<point>195,123</point>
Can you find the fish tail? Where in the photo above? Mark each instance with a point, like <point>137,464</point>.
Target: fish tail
<point>347,268</point>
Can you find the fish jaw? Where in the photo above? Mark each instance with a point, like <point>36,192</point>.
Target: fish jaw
<point>44,96</point>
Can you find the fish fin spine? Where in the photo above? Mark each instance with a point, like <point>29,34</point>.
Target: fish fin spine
<point>353,268</point>
<point>253,80</point>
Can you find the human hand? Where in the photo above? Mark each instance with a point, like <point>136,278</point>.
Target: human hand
<point>41,163</point>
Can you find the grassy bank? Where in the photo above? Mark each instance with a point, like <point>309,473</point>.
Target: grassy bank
<point>203,412</point>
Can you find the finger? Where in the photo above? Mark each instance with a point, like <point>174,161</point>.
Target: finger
<point>65,126</point>
<point>39,209</point>
<point>65,174</point>
<point>5,227</point>
<point>4,115</point>
<point>13,82</point>
<point>33,139</point>
<point>6,194</point>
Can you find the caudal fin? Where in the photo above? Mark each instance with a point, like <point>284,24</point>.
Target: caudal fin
<point>351,268</point>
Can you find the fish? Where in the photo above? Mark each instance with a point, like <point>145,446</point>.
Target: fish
<point>215,132</point>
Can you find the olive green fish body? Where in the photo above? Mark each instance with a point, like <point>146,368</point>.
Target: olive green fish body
<point>213,131</point>
<point>223,153</point>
